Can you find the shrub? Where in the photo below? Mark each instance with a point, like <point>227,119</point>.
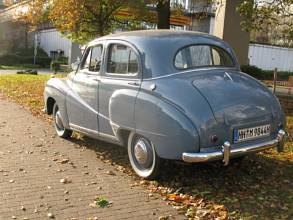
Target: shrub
<point>265,74</point>
<point>30,52</point>
<point>43,61</point>
<point>22,57</point>
<point>55,65</point>
<point>63,60</point>
<point>282,75</point>
<point>252,71</point>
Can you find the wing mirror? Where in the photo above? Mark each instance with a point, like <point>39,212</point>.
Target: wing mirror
<point>75,65</point>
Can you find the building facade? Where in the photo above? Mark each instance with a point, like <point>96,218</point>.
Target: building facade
<point>201,16</point>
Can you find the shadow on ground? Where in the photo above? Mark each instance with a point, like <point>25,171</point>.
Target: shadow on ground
<point>260,186</point>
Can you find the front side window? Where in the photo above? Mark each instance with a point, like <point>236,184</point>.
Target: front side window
<point>96,59</point>
<point>202,55</point>
<point>122,60</point>
<point>85,63</point>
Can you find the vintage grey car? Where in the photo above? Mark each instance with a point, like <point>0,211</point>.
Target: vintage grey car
<point>176,95</point>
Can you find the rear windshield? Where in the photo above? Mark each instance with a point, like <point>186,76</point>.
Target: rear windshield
<point>202,56</point>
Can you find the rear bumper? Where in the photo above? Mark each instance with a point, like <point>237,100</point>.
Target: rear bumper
<point>226,153</point>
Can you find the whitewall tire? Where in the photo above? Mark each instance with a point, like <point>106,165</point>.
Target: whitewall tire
<point>143,157</point>
<point>58,123</point>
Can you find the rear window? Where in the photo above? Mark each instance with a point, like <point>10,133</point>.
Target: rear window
<point>202,56</point>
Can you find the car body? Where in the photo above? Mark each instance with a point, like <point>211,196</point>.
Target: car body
<point>176,95</point>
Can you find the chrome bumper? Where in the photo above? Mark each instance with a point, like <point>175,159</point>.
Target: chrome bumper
<point>226,153</point>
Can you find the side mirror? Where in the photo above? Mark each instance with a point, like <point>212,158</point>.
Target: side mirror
<point>75,65</point>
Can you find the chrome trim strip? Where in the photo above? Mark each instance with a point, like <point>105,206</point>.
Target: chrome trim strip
<point>190,70</point>
<point>227,153</point>
<point>94,133</point>
<point>108,136</point>
<point>83,129</point>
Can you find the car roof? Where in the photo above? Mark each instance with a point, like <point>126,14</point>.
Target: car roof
<point>159,47</point>
<point>156,34</point>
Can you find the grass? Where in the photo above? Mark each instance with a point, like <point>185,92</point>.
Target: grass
<point>26,90</point>
<point>260,187</point>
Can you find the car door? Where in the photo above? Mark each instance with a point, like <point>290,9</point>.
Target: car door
<point>82,102</point>
<point>122,71</point>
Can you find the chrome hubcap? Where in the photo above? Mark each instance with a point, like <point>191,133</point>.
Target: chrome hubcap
<point>58,120</point>
<point>141,152</point>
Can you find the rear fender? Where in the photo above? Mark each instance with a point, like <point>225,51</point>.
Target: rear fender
<point>171,132</point>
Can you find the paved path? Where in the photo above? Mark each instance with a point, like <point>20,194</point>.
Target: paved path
<point>33,161</point>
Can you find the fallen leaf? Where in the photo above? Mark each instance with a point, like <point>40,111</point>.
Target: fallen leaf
<point>65,181</point>
<point>110,172</point>
<point>50,215</point>
<point>164,217</point>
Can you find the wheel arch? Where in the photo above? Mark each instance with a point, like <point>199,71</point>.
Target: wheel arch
<point>49,105</point>
<point>123,136</point>
<point>56,92</point>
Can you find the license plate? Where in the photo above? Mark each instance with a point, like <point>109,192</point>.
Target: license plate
<point>251,133</point>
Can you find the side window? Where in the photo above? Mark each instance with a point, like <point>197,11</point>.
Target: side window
<point>86,59</point>
<point>221,58</point>
<point>216,57</point>
<point>180,61</point>
<point>133,62</point>
<point>122,60</point>
<point>96,59</point>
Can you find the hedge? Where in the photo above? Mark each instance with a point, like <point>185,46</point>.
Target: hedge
<point>21,57</point>
<point>265,74</point>
<point>12,59</point>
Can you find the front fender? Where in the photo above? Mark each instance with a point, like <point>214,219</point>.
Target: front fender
<point>171,132</point>
<point>57,89</point>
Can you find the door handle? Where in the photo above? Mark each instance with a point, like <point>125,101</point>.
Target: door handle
<point>97,80</point>
<point>133,83</point>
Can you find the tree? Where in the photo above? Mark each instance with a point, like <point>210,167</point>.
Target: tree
<point>268,16</point>
<point>164,13</point>
<point>83,20</point>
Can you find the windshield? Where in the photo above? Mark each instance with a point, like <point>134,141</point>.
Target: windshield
<point>202,56</point>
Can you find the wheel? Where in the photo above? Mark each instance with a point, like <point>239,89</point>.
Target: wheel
<point>58,124</point>
<point>143,157</point>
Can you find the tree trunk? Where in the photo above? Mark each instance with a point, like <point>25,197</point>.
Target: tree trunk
<point>163,10</point>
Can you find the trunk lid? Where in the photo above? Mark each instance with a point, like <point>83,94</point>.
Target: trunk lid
<point>235,97</point>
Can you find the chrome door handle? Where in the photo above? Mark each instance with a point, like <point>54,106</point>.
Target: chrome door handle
<point>133,83</point>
